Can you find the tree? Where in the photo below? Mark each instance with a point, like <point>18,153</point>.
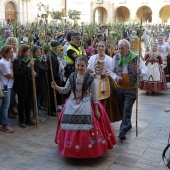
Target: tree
<point>74,15</point>
<point>43,12</point>
<point>56,15</point>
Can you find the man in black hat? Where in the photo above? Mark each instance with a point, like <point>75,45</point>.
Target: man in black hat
<point>73,51</point>
<point>55,65</point>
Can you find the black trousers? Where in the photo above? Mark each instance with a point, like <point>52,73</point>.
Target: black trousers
<point>24,106</point>
<point>126,100</point>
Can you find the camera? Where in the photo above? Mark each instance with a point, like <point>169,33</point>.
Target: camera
<point>5,88</point>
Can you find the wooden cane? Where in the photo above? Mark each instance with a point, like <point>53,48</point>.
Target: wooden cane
<point>52,77</point>
<point>138,78</point>
<point>46,96</point>
<point>34,95</point>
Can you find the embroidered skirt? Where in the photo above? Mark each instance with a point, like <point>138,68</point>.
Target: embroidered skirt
<point>155,79</point>
<point>111,103</point>
<point>86,143</point>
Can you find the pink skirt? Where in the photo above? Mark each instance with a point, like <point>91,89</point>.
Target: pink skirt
<point>86,143</point>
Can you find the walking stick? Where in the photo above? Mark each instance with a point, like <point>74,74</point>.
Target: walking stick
<point>52,77</point>
<point>46,96</point>
<point>138,78</point>
<point>34,94</point>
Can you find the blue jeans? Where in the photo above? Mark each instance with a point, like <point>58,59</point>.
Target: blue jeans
<point>4,107</point>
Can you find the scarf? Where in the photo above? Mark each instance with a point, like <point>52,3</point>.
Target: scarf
<point>25,60</point>
<point>125,60</point>
<point>39,59</point>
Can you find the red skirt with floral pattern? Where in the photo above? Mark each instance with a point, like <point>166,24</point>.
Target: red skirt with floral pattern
<point>86,143</point>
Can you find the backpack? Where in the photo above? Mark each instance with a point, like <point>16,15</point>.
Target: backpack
<point>166,154</point>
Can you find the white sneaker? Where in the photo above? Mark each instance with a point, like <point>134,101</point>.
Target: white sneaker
<point>43,119</point>
<point>59,107</point>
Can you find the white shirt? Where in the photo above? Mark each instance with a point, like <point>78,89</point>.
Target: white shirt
<point>107,64</point>
<point>5,68</point>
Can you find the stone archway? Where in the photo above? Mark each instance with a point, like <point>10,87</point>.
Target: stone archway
<point>122,14</point>
<point>164,14</point>
<point>145,13</point>
<point>100,15</point>
<point>10,12</point>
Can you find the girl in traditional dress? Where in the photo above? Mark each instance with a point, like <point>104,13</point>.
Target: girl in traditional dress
<point>155,79</point>
<point>84,130</point>
<point>101,65</point>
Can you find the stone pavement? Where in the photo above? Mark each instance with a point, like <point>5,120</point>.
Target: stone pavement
<point>34,149</point>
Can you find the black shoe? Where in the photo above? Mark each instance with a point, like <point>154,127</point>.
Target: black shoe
<point>30,122</point>
<point>128,128</point>
<point>148,92</point>
<point>22,125</point>
<point>122,137</point>
<point>53,114</point>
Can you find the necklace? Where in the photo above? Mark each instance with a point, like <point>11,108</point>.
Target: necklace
<point>80,75</point>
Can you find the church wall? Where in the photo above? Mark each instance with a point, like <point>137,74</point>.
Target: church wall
<point>27,9</point>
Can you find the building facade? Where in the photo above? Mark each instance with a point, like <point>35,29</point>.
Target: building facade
<point>99,11</point>
<point>18,10</point>
<point>115,11</point>
<point>23,11</point>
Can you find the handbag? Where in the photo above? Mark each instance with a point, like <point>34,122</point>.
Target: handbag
<point>1,93</point>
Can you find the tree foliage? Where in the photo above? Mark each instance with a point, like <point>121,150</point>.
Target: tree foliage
<point>56,15</point>
<point>74,15</point>
<point>43,11</point>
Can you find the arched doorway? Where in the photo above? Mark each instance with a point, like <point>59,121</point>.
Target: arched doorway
<point>122,14</point>
<point>145,13</point>
<point>10,12</point>
<point>164,14</point>
<point>100,15</point>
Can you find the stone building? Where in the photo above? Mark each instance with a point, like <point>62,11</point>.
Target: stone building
<point>100,11</point>
<point>18,10</point>
<point>130,11</point>
<point>24,11</point>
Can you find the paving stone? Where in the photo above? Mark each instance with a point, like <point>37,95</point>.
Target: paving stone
<point>145,166</point>
<point>125,161</point>
<point>34,148</point>
<point>152,156</point>
<point>118,167</point>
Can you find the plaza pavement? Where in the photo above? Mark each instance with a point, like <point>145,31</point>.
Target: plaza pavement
<point>34,149</point>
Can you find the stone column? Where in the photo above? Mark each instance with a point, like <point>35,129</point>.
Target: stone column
<point>133,12</point>
<point>110,13</point>
<point>155,17</point>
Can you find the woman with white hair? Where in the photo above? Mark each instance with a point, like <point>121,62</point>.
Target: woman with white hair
<point>14,42</point>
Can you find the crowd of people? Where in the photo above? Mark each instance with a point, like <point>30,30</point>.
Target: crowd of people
<point>87,79</point>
